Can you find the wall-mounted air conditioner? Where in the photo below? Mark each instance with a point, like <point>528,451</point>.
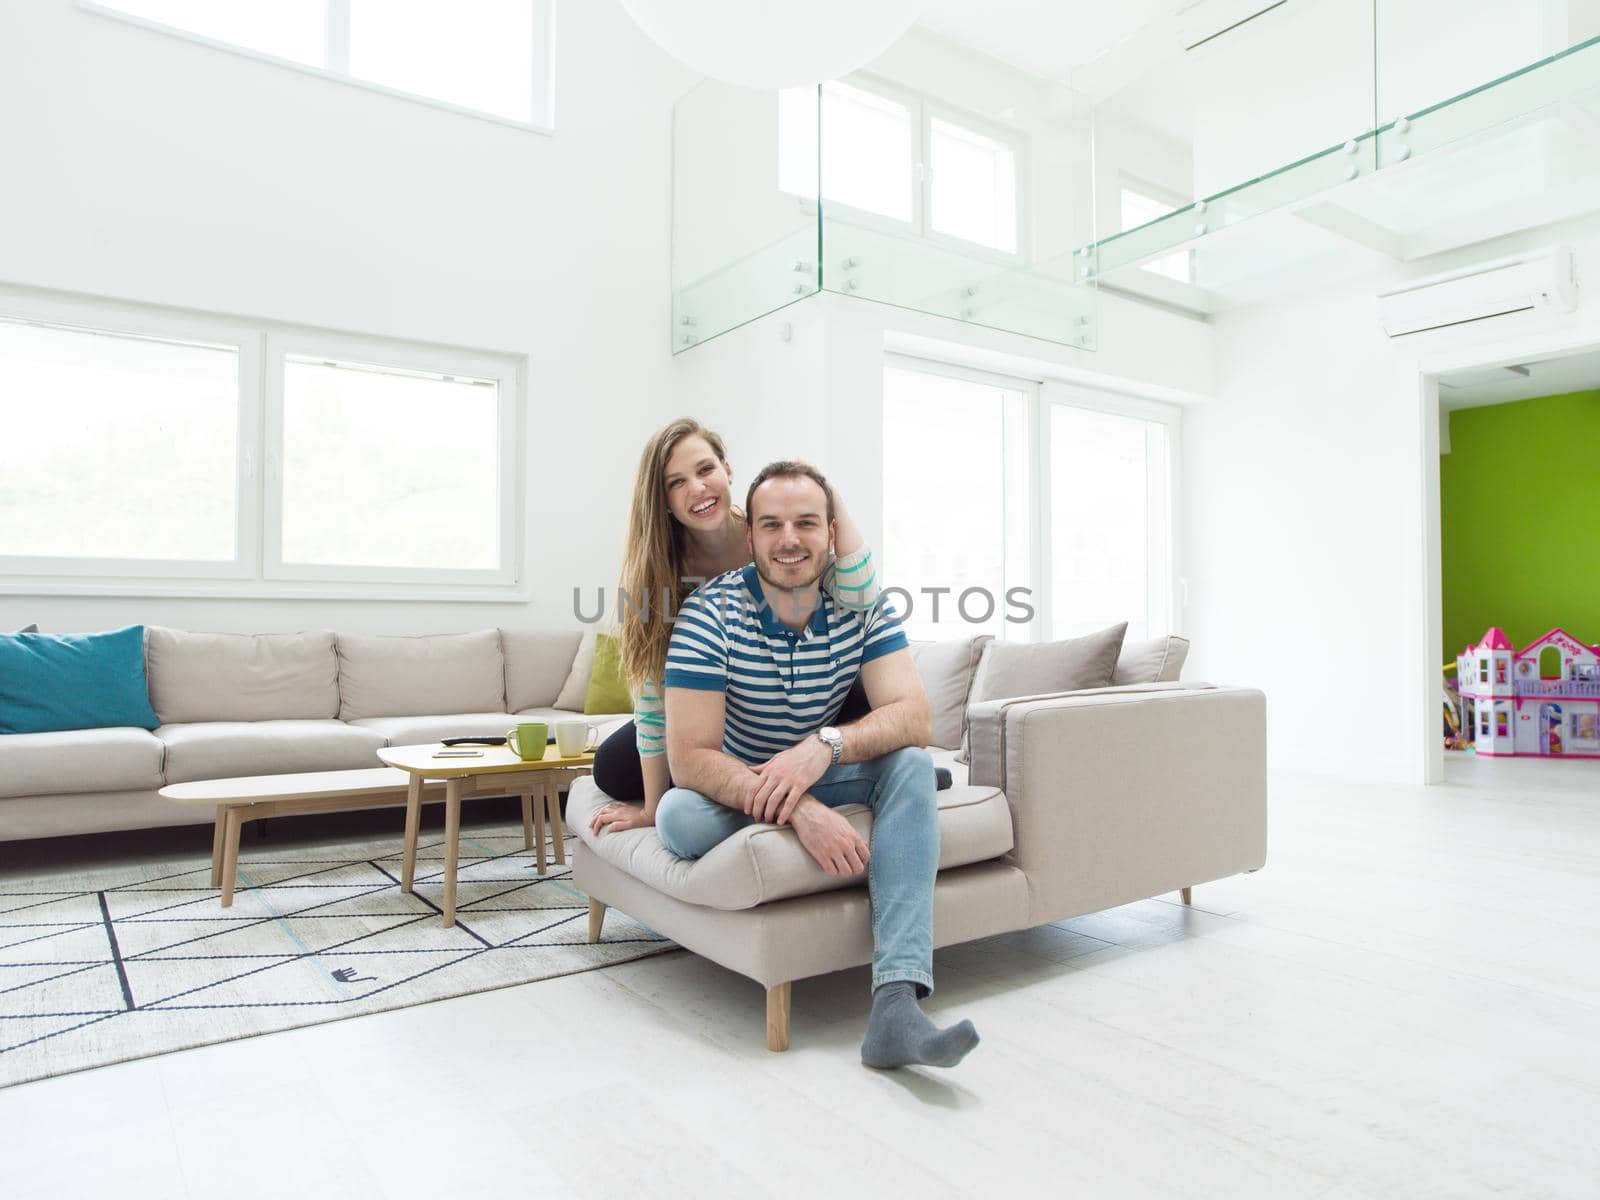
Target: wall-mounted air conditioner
<point>1536,282</point>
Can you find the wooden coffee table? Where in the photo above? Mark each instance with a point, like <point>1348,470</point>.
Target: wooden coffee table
<point>499,772</point>
<point>253,797</point>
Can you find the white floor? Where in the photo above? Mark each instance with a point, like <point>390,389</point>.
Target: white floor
<point>1405,1002</point>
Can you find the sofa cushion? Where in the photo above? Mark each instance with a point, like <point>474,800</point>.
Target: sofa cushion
<point>537,664</point>
<point>63,681</point>
<point>420,676</point>
<point>576,687</point>
<point>763,863</point>
<point>225,749</point>
<point>241,676</point>
<point>79,760</point>
<point>417,731</point>
<point>1154,660</point>
<point>1032,669</point>
<point>946,669</point>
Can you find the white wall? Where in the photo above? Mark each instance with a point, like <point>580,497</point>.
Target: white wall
<point>1311,506</point>
<point>147,168</point>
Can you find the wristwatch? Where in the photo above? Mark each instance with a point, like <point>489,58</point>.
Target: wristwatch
<point>834,740</point>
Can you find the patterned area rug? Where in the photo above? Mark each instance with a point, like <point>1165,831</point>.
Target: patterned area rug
<point>122,963</point>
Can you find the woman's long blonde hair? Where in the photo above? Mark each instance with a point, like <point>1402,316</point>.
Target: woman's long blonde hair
<point>652,556</point>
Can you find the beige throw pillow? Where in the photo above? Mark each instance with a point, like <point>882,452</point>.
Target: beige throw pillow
<point>1010,669</point>
<point>946,669</point>
<point>576,689</point>
<point>1156,660</point>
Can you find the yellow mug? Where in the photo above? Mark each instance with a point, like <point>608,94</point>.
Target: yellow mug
<point>528,741</point>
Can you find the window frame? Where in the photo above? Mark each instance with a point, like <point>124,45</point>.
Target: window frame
<point>95,317</point>
<point>257,570</point>
<point>1032,466</point>
<point>924,110</point>
<point>542,119</point>
<point>1161,546</point>
<point>308,343</point>
<point>1021,550</point>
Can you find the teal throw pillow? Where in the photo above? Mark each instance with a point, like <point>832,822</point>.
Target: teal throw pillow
<point>51,681</point>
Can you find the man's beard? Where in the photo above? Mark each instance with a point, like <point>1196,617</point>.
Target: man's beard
<point>764,566</point>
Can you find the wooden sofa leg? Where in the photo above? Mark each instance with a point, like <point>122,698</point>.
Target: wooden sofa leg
<point>597,917</point>
<point>778,1017</point>
<point>1185,892</point>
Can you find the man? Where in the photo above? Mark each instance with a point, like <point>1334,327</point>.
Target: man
<point>760,662</point>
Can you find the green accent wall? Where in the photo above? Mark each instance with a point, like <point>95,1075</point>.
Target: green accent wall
<point>1519,513</point>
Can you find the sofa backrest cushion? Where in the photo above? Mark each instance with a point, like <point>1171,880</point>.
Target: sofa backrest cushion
<point>537,663</point>
<point>946,668</point>
<point>1034,668</point>
<point>1154,660</point>
<point>55,681</point>
<point>241,676</point>
<point>420,676</point>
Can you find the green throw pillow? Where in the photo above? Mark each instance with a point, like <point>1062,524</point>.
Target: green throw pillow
<point>608,690</point>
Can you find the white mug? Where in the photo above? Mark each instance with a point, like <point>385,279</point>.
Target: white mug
<point>576,737</point>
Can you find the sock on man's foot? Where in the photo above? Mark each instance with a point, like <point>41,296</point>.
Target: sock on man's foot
<point>899,1033</point>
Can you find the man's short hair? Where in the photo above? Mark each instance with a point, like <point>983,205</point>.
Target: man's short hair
<point>786,469</point>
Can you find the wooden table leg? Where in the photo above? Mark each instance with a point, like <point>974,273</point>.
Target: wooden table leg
<point>452,846</point>
<point>408,867</point>
<point>230,856</point>
<point>540,803</point>
<point>527,823</point>
<point>558,835</point>
<point>217,843</point>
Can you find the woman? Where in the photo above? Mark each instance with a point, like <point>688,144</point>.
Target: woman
<point>684,528</point>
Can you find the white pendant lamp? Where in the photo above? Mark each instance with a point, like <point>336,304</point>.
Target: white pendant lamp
<point>763,44</point>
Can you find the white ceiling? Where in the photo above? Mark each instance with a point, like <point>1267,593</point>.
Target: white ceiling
<point>1049,38</point>
<point>1501,385</point>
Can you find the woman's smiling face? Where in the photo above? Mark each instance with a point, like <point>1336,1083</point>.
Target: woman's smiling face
<point>697,484</point>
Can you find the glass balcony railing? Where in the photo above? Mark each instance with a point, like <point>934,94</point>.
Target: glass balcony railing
<point>1199,164</point>
<point>936,181</point>
<point>1313,127</point>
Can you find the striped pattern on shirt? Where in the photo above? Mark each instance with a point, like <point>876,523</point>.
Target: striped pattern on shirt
<point>851,580</point>
<point>780,686</point>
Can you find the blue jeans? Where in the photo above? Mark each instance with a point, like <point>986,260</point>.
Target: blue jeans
<point>899,789</point>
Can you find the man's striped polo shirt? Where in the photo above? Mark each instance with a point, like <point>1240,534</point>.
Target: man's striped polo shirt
<point>780,686</point>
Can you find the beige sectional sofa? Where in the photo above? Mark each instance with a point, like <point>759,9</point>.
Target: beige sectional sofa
<point>1071,803</point>
<point>267,704</point>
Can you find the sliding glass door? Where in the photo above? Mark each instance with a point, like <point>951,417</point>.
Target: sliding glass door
<point>1109,519</point>
<point>1054,501</point>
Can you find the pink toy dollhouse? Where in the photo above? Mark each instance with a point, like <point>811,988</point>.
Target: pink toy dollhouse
<point>1542,699</point>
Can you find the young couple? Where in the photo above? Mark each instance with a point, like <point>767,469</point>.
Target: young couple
<point>737,700</point>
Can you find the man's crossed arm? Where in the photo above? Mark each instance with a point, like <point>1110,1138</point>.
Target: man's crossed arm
<point>779,789</point>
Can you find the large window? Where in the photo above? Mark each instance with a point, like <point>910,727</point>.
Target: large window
<point>955,487</point>
<point>117,447</point>
<point>1054,499</point>
<point>889,155</point>
<point>1109,546</point>
<point>143,449</point>
<point>489,57</point>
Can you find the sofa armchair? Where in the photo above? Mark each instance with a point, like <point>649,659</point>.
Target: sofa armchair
<point>270,704</point>
<point>1070,803</point>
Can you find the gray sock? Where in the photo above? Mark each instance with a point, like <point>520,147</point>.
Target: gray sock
<point>899,1033</point>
